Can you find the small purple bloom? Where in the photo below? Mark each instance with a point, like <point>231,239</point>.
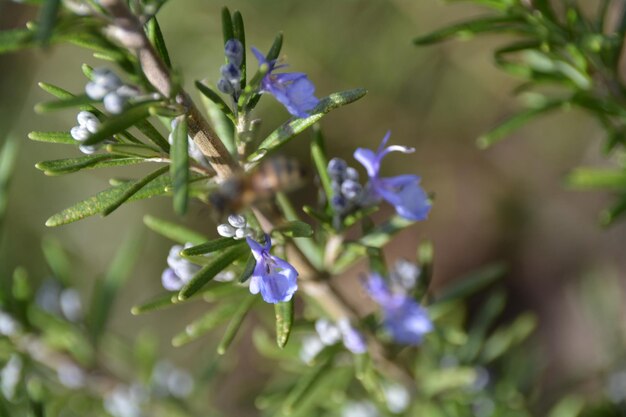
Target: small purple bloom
<point>403,191</point>
<point>353,340</point>
<point>233,49</point>
<point>403,317</point>
<point>273,277</point>
<point>293,90</point>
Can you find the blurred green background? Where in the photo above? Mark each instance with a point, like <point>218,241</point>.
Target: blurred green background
<point>508,203</point>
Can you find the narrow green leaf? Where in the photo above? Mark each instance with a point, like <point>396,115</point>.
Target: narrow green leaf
<point>58,92</point>
<point>571,406</point>
<point>425,260</point>
<point>318,153</point>
<point>15,39</point>
<point>471,283</point>
<point>75,101</point>
<point>610,215</point>
<point>277,45</point>
<point>156,303</point>
<point>133,189</point>
<point>470,28</point>
<point>235,324</point>
<point>133,150</point>
<point>290,129</point>
<point>204,324</point>
<point>173,231</point>
<point>47,19</point>
<point>248,270</point>
<point>240,33</point>
<point>103,48</point>
<point>96,204</point>
<point>305,384</point>
<point>377,238</point>
<point>179,168</point>
<point>284,321</point>
<point>53,137</point>
<point>227,25</point>
<point>438,381</point>
<point>222,124</point>
<point>214,267</point>
<point>211,246</point>
<point>515,122</point>
<point>216,99</point>
<point>295,228</point>
<point>118,123</point>
<point>153,30</point>
<point>69,165</point>
<point>8,160</point>
<point>106,290</point>
<point>145,127</point>
<point>590,178</point>
<point>57,259</point>
<point>508,336</point>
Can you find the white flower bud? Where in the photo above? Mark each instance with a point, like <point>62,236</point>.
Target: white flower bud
<point>114,103</point>
<point>83,118</point>
<point>79,133</point>
<point>225,230</point>
<point>329,333</point>
<point>95,91</point>
<point>240,234</point>
<point>88,150</point>
<point>237,220</point>
<point>71,305</point>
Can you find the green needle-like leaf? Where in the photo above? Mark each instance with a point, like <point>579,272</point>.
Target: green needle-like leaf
<point>248,269</point>
<point>153,30</point>
<point>235,324</point>
<point>284,321</point>
<point>156,303</point>
<point>590,178</point>
<point>173,231</point>
<point>227,25</point>
<point>96,204</point>
<point>277,45</point>
<point>57,259</point>
<point>470,28</point>
<point>305,385</point>
<point>53,137</point>
<point>67,166</point>
<point>290,129</point>
<point>295,228</point>
<point>220,262</point>
<point>145,127</point>
<point>211,246</point>
<point>205,324</point>
<point>133,189</point>
<point>240,33</point>
<point>472,283</point>
<point>216,99</point>
<point>8,159</point>
<point>16,39</point>
<point>75,101</point>
<point>318,153</point>
<point>179,169</point>
<point>106,289</point>
<point>47,19</point>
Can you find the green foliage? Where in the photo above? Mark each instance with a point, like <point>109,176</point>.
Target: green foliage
<point>567,57</point>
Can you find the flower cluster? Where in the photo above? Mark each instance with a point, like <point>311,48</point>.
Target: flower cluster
<point>403,191</point>
<point>109,88</point>
<point>293,90</point>
<point>88,123</point>
<point>180,270</point>
<point>230,83</point>
<point>54,299</point>
<point>237,227</point>
<point>273,277</point>
<point>348,193</point>
<point>406,321</point>
<point>329,334</point>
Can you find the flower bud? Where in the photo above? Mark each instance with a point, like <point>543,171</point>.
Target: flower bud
<point>95,91</point>
<point>114,103</point>
<point>79,133</point>
<point>351,190</point>
<point>106,78</point>
<point>233,49</point>
<point>237,220</point>
<point>84,117</point>
<point>88,150</point>
<point>225,230</point>
<point>337,168</point>
<point>231,73</point>
<point>225,86</point>
<point>352,174</point>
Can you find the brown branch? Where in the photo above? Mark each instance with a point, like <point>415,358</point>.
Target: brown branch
<point>129,31</point>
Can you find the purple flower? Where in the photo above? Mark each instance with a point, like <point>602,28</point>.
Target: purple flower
<point>403,191</point>
<point>330,333</point>
<point>403,317</point>
<point>293,90</point>
<point>275,278</point>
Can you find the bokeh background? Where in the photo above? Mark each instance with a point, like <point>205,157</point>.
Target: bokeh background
<point>508,203</point>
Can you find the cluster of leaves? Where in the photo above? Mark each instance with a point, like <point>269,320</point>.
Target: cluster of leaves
<point>567,57</point>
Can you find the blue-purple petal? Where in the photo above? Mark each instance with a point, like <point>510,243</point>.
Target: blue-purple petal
<point>405,194</point>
